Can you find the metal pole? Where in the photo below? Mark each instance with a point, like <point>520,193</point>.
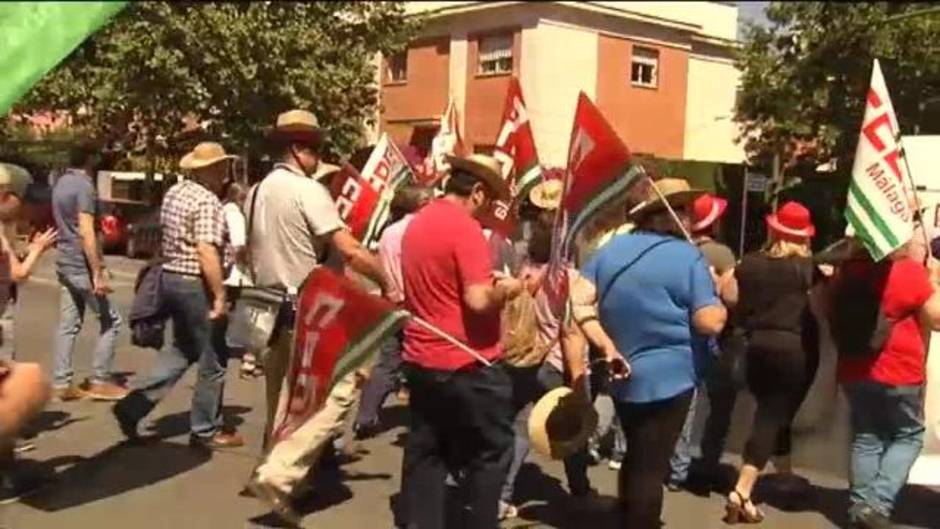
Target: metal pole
<point>777,179</point>
<point>744,196</point>
<point>910,180</point>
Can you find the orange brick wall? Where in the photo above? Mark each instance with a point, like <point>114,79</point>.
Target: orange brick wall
<point>486,94</point>
<point>650,121</point>
<point>423,95</point>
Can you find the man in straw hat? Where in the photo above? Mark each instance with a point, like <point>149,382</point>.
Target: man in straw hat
<point>83,278</point>
<point>193,225</point>
<point>461,411</point>
<point>23,387</point>
<point>293,226</point>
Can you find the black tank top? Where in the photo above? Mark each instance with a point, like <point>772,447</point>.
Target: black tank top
<point>774,292</point>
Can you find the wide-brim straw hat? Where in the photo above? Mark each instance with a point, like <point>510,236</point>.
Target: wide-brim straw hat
<point>561,424</point>
<point>487,169</point>
<point>203,155</point>
<point>792,222</point>
<point>677,192</point>
<point>547,194</point>
<point>297,125</point>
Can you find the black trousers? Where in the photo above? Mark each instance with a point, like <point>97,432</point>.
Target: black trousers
<point>780,370</point>
<point>723,383</point>
<point>651,430</point>
<point>459,421</point>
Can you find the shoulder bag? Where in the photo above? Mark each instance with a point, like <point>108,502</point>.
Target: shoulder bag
<point>257,310</point>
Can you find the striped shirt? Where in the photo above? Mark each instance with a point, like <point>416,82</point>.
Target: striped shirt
<point>190,214</point>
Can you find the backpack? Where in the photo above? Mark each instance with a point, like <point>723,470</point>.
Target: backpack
<point>858,325</point>
<point>519,343</point>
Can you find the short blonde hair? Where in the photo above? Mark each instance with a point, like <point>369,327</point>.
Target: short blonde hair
<point>782,249</point>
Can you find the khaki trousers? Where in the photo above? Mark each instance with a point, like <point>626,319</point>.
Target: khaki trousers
<point>290,460</point>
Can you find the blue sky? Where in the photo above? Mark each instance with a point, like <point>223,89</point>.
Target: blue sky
<point>752,11</point>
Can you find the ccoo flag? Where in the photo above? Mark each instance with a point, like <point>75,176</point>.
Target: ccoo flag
<point>880,210</point>
<point>36,36</point>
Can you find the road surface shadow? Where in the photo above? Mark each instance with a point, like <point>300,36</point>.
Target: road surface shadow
<point>49,421</point>
<point>116,470</point>
<point>178,423</point>
<point>917,506</point>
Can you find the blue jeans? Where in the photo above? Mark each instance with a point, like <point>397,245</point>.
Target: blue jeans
<point>76,295</point>
<point>681,458</point>
<point>196,340</point>
<point>533,383</point>
<point>384,379</point>
<point>888,433</point>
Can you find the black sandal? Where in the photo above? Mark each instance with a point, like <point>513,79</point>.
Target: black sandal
<point>743,511</point>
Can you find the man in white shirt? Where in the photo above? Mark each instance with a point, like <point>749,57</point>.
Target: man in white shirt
<point>294,224</point>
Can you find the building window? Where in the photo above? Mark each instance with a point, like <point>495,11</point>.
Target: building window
<point>644,67</point>
<point>398,67</point>
<point>495,54</point>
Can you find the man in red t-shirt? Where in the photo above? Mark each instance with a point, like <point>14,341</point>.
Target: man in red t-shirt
<point>885,389</point>
<point>461,412</point>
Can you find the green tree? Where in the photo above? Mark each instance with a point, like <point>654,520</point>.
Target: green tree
<point>805,77</point>
<point>160,68</point>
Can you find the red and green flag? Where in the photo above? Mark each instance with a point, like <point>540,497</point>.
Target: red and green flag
<point>36,36</point>
<point>338,328</point>
<point>363,200</point>
<point>515,150</point>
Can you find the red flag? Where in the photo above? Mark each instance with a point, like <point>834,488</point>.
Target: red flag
<point>515,145</point>
<point>363,199</point>
<point>598,165</point>
<point>338,327</point>
<point>515,149</point>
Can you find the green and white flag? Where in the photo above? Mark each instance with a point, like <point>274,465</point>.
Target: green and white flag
<point>36,36</point>
<point>880,209</point>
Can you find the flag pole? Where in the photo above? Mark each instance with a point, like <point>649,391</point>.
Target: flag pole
<point>910,181</point>
<point>672,212</point>
<point>450,339</point>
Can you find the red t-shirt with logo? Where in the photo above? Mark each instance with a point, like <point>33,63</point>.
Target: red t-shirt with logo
<point>444,251</point>
<point>905,286</point>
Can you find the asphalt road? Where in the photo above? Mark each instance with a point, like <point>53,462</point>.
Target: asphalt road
<point>101,483</point>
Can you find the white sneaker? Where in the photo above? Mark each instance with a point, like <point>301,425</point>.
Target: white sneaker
<point>507,511</point>
<point>613,464</point>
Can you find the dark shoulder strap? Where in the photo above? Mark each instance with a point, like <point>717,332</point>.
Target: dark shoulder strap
<point>627,266</point>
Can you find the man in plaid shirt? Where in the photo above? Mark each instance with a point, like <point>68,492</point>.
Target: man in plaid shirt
<point>193,236</point>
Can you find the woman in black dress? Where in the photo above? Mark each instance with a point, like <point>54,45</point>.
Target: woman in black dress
<point>783,346</point>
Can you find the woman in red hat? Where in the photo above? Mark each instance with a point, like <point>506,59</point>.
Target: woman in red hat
<point>783,346</point>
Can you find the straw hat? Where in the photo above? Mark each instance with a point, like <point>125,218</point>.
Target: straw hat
<point>485,168</point>
<point>675,190</point>
<point>203,155</point>
<point>791,221</point>
<point>297,125</point>
<point>706,210</point>
<point>560,424</point>
<point>547,194</point>
<point>15,179</point>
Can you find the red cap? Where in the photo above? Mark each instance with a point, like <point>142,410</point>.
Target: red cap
<point>791,221</point>
<point>706,210</point>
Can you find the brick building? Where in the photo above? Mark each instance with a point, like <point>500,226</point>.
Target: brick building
<point>662,73</point>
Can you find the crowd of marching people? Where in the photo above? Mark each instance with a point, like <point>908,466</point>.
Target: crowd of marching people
<point>507,348</point>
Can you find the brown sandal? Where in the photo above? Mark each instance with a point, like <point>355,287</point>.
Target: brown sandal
<point>741,511</point>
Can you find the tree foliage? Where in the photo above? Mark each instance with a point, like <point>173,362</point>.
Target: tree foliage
<point>160,67</point>
<point>805,77</point>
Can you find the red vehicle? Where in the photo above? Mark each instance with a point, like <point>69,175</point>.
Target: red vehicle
<point>131,227</point>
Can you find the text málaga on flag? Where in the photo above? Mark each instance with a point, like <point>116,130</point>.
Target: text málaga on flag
<point>880,209</point>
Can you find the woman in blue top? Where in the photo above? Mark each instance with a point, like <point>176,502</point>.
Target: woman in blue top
<point>657,301</point>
